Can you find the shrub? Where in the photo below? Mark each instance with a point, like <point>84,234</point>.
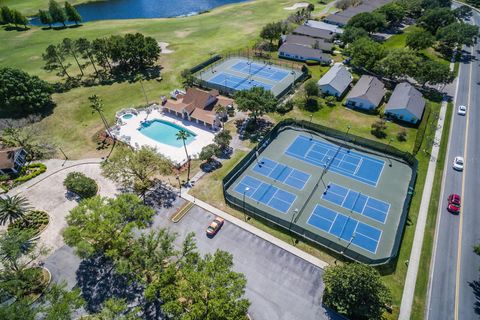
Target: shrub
<point>311,89</point>
<point>421,129</point>
<point>81,185</point>
<point>29,172</point>
<point>285,107</point>
<point>311,105</point>
<point>330,101</point>
<point>34,220</point>
<point>402,135</point>
<point>378,129</point>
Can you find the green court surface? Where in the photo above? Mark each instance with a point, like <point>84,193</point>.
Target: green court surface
<point>348,198</point>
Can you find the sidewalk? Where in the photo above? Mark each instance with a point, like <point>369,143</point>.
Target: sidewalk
<point>262,234</point>
<point>414,261</point>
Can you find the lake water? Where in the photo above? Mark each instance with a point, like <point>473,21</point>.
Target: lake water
<point>138,9</point>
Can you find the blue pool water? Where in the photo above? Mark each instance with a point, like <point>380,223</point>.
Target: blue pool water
<point>127,116</point>
<point>143,9</point>
<point>165,132</point>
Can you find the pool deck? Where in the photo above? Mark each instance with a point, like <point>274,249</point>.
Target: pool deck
<point>129,128</point>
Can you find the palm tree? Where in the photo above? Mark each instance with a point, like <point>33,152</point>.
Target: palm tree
<point>13,208</point>
<point>97,106</point>
<point>140,78</point>
<point>184,135</point>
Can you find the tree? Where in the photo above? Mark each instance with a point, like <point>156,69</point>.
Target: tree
<point>188,80</point>
<point>369,21</point>
<point>257,101</point>
<point>100,48</point>
<point>378,129</point>
<point>413,8</point>
<point>13,208</point>
<point>68,47</point>
<point>105,225</point>
<point>184,135</point>
<point>72,13</point>
<point>22,94</point>
<point>59,304</point>
<point>57,12</point>
<point>209,289</point>
<point>45,17</point>
<point>393,12</point>
<point>7,15</point>
<point>311,89</point>
<point>19,18</point>
<point>81,185</point>
<point>351,34</point>
<point>330,101</point>
<point>457,34</point>
<point>222,139</point>
<point>433,72</point>
<point>208,152</point>
<point>139,78</point>
<point>463,12</point>
<point>272,31</point>
<point>138,171</point>
<point>433,19</point>
<point>355,290</point>
<point>115,309</point>
<point>20,310</point>
<point>365,53</point>
<point>431,4</point>
<point>419,39</point>
<point>54,59</point>
<point>398,63</point>
<point>84,47</point>
<point>96,104</point>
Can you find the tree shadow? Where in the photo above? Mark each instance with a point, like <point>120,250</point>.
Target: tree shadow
<point>99,282</point>
<point>475,285</point>
<point>161,197</point>
<point>15,28</point>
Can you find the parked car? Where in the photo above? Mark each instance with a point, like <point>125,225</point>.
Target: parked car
<point>454,203</point>
<point>462,110</point>
<point>214,226</point>
<point>458,163</point>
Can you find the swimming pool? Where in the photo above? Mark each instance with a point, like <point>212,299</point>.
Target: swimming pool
<point>127,116</point>
<point>165,132</point>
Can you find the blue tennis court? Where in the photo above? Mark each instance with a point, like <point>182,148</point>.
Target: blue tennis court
<point>237,83</point>
<point>339,160</point>
<point>263,70</point>
<point>280,172</point>
<point>265,193</point>
<point>346,228</point>
<point>356,201</point>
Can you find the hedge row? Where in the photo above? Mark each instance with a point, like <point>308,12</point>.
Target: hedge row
<point>421,129</point>
<point>41,168</point>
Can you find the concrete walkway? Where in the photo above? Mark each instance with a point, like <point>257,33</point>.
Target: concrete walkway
<point>262,234</point>
<point>414,261</point>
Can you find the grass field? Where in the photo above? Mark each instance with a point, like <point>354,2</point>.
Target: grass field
<point>193,39</point>
<point>31,7</point>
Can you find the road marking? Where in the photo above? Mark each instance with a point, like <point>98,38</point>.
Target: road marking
<point>460,228</point>
<point>441,208</point>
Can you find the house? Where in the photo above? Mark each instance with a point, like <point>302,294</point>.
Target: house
<point>341,18</point>
<point>337,19</point>
<point>335,81</point>
<point>405,104</point>
<point>198,106</point>
<point>319,44</point>
<point>367,93</point>
<point>12,160</point>
<point>323,25</point>
<point>303,53</point>
<point>316,33</point>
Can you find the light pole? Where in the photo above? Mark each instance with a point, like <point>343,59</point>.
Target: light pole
<point>295,212</point>
<point>311,119</point>
<point>179,184</point>
<point>346,133</point>
<point>387,146</point>
<point>244,212</point>
<point>348,244</point>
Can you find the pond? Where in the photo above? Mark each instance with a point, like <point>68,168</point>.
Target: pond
<point>143,9</point>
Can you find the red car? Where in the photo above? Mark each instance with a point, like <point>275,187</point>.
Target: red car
<point>214,226</point>
<point>454,203</point>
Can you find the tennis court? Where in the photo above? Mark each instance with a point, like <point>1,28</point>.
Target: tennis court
<point>237,83</point>
<point>346,228</point>
<point>357,202</point>
<point>266,194</point>
<point>240,73</point>
<point>337,159</point>
<point>264,70</point>
<point>280,172</point>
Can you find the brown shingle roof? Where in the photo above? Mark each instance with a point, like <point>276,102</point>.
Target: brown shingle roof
<point>7,157</point>
<point>203,115</point>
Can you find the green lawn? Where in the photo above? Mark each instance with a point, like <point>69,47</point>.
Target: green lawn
<point>31,7</point>
<point>193,39</point>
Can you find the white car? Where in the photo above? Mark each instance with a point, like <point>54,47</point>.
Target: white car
<point>458,163</point>
<point>462,110</point>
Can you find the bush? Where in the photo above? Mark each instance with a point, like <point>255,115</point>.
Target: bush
<point>311,89</point>
<point>81,185</point>
<point>311,105</point>
<point>285,107</point>
<point>29,172</point>
<point>421,129</point>
<point>402,135</point>
<point>378,129</point>
<point>34,220</point>
<point>330,101</point>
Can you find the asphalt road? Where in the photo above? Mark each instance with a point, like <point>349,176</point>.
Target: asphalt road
<point>279,284</point>
<point>454,290</point>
